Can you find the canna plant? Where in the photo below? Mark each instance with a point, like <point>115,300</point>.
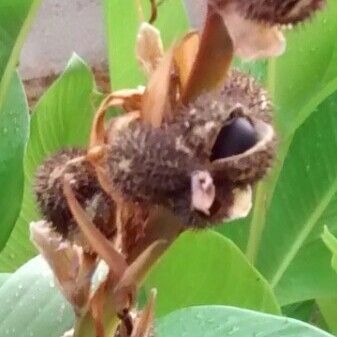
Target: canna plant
<point>194,147</point>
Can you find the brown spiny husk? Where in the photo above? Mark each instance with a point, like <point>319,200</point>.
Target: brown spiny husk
<point>153,166</point>
<point>145,165</point>
<point>244,90</point>
<point>147,168</point>
<point>198,126</point>
<point>53,205</point>
<point>278,11</point>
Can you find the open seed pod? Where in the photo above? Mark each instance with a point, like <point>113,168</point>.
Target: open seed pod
<point>231,129</point>
<point>200,164</point>
<point>244,148</point>
<point>53,205</point>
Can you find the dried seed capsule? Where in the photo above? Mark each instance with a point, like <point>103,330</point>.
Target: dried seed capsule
<point>53,205</point>
<point>278,11</point>
<point>145,165</point>
<point>232,130</point>
<point>200,164</point>
<point>150,167</point>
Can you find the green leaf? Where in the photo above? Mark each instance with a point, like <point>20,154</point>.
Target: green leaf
<point>3,278</point>
<point>15,20</point>
<point>62,118</point>
<point>206,268</point>
<point>301,78</point>
<point>32,305</point>
<point>301,311</point>
<point>328,309</point>
<point>304,201</point>
<point>214,321</point>
<point>122,32</point>
<point>298,82</point>
<point>14,124</point>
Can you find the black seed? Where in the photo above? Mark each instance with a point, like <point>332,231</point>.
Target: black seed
<point>234,138</point>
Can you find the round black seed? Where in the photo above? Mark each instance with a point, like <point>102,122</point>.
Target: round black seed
<point>234,138</point>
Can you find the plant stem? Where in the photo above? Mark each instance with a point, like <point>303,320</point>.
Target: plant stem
<point>84,326</point>
<point>263,198</point>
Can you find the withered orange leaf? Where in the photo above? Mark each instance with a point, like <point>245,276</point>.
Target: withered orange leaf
<point>156,96</point>
<point>185,54</point>
<point>96,239</point>
<point>128,99</point>
<point>213,59</point>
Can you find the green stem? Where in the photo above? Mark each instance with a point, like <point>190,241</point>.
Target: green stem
<point>84,326</point>
<point>263,197</point>
<point>265,189</point>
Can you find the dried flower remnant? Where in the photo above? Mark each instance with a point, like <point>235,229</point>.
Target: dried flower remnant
<point>254,25</point>
<point>72,268</point>
<point>149,48</point>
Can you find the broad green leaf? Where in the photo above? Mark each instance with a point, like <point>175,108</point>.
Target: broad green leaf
<point>62,118</point>
<point>304,201</point>
<point>206,268</point>
<point>32,305</point>
<point>298,82</point>
<point>14,124</point>
<point>328,309</point>
<point>302,311</point>
<point>302,78</point>
<point>15,20</point>
<point>214,321</point>
<point>122,23</point>
<point>3,278</point>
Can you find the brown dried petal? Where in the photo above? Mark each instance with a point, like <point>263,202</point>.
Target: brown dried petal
<point>70,267</point>
<point>155,104</point>
<point>149,47</point>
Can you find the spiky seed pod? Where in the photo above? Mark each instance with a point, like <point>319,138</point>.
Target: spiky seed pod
<point>243,90</point>
<point>53,205</point>
<point>231,129</point>
<point>146,166</point>
<point>275,12</point>
<point>151,167</point>
<point>200,164</point>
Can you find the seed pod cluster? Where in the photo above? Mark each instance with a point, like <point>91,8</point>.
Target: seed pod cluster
<point>232,130</point>
<point>53,205</point>
<point>226,137</point>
